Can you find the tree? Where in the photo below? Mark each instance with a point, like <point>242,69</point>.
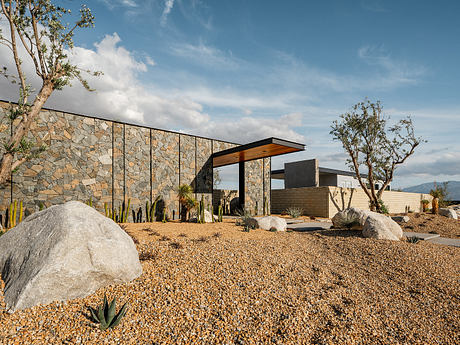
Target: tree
<point>37,32</point>
<point>369,143</point>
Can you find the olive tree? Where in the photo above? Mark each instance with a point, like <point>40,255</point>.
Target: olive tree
<point>35,31</point>
<point>374,146</point>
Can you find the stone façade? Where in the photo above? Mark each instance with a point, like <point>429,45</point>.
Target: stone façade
<point>109,161</point>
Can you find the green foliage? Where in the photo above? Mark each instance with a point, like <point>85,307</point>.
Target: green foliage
<point>200,211</point>
<point>294,212</point>
<point>220,214</point>
<point>382,207</point>
<point>37,31</point>
<point>440,192</point>
<point>245,220</point>
<point>186,200</point>
<point>425,202</point>
<point>105,315</point>
<point>90,202</point>
<point>413,239</point>
<point>373,146</point>
<point>137,216</point>
<point>120,215</point>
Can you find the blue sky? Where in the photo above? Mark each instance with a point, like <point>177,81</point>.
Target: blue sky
<point>246,70</point>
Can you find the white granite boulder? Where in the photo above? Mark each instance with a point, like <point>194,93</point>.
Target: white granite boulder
<point>448,212</point>
<point>350,218</point>
<point>64,252</point>
<point>372,224</point>
<point>271,223</point>
<point>381,227</point>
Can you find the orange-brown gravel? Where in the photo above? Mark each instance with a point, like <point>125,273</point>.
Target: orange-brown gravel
<point>213,284</point>
<point>432,223</point>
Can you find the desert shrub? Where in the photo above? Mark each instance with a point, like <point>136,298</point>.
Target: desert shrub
<point>176,245</point>
<point>413,239</point>
<point>182,235</point>
<point>146,254</point>
<point>441,193</point>
<point>245,220</point>
<point>164,238</point>
<point>216,235</point>
<point>294,212</point>
<point>349,221</point>
<point>383,208</point>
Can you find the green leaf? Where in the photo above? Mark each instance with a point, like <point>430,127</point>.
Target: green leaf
<point>93,314</point>
<point>111,311</point>
<point>101,318</point>
<point>120,315</point>
<point>106,308</point>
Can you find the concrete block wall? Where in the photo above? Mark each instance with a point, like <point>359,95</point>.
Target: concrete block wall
<point>112,162</point>
<point>327,201</point>
<point>313,200</point>
<point>396,202</point>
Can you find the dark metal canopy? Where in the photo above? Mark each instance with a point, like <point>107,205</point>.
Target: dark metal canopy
<point>259,149</point>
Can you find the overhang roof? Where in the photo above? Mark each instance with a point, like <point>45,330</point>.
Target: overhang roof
<point>279,173</point>
<point>256,150</point>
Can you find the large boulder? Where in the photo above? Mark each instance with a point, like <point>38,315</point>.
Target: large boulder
<point>64,252</point>
<point>271,223</point>
<point>350,218</point>
<point>448,212</point>
<point>372,224</point>
<point>381,227</point>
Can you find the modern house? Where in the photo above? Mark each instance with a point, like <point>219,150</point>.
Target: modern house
<point>111,162</point>
<point>307,173</point>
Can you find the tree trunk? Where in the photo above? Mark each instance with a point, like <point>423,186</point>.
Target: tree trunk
<point>183,213</point>
<point>21,131</point>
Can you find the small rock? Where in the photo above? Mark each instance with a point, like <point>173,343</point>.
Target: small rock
<point>271,223</point>
<point>449,213</point>
<point>401,219</point>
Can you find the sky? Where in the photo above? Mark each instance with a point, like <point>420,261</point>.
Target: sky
<point>247,70</point>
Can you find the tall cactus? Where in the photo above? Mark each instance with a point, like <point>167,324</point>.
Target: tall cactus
<point>21,209</point>
<point>147,211</point>
<point>220,214</point>
<point>106,209</point>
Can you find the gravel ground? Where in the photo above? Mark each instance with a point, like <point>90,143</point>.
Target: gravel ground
<point>432,223</point>
<point>213,284</point>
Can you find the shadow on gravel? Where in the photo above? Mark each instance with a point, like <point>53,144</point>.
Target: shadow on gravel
<point>341,233</point>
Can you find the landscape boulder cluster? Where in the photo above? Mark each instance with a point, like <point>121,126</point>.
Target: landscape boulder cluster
<point>372,224</point>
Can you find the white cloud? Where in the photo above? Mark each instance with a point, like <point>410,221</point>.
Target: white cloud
<point>250,128</point>
<point>205,55</point>
<point>394,72</point>
<point>167,9</point>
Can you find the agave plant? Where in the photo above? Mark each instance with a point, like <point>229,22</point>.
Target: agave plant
<point>106,314</point>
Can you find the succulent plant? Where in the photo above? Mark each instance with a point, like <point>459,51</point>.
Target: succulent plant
<point>106,314</point>
<point>220,214</point>
<point>164,215</point>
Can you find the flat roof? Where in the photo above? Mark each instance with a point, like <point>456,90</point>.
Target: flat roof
<point>256,150</point>
<point>279,173</point>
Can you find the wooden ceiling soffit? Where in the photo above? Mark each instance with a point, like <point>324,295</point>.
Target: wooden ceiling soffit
<point>259,149</point>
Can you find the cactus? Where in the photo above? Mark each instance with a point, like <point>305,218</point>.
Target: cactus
<point>41,206</point>
<point>106,315</point>
<point>202,210</point>
<point>164,215</point>
<point>220,214</point>
<point>147,211</point>
<point>7,218</point>
<point>256,211</point>
<point>212,213</point>
<point>90,202</point>
<point>21,210</point>
<point>106,209</point>
<point>139,215</point>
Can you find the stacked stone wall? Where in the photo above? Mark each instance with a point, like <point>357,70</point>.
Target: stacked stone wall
<point>112,162</point>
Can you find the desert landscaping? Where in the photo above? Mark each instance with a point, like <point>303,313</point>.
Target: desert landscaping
<point>216,284</point>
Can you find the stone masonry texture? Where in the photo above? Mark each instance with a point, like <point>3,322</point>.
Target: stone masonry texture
<point>112,162</point>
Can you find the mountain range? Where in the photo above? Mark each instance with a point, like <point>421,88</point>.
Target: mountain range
<point>453,188</point>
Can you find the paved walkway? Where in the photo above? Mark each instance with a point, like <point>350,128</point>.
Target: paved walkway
<point>315,226</point>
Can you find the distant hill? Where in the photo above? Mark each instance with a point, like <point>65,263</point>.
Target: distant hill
<point>453,187</point>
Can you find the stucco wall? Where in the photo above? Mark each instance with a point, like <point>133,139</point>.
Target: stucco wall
<point>111,162</point>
